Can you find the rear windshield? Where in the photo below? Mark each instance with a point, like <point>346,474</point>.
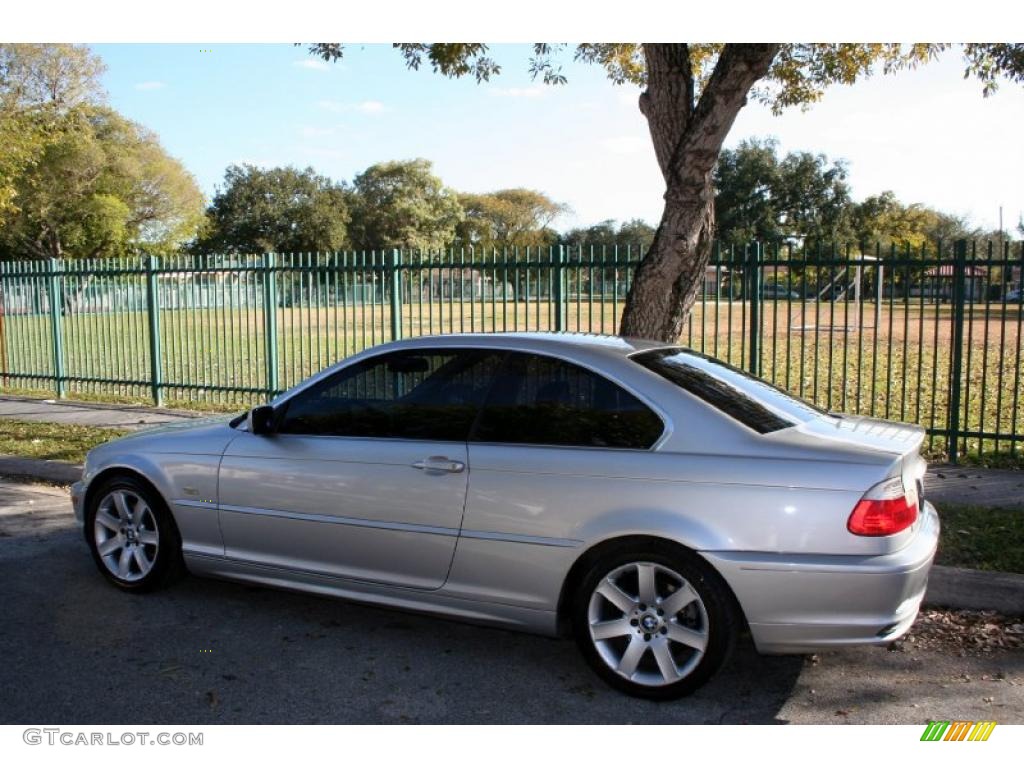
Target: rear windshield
<point>759,405</point>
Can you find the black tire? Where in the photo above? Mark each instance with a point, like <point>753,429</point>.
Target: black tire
<point>168,565</point>
<point>719,621</point>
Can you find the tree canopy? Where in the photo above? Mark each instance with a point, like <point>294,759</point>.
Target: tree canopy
<point>508,217</point>
<point>275,210</point>
<point>635,233</point>
<point>100,186</point>
<point>76,178</point>
<point>760,196</point>
<point>402,204</point>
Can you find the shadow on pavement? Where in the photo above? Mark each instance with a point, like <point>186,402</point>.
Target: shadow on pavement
<point>77,650</point>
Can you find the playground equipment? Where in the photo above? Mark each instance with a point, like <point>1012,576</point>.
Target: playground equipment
<point>845,285</point>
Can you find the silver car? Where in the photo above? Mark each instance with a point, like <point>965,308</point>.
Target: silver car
<point>648,500</point>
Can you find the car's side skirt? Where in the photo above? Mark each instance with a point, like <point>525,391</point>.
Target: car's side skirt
<point>437,603</point>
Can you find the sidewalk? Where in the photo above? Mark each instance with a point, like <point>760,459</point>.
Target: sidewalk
<point>943,484</point>
<point>89,414</point>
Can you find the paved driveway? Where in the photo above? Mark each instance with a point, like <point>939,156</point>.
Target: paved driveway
<point>75,650</point>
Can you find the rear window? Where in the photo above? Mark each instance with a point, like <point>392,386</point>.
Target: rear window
<point>759,405</point>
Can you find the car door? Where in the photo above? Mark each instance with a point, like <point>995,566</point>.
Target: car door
<point>364,476</point>
<point>554,444</point>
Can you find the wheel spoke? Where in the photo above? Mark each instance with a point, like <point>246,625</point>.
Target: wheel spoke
<point>108,521</point>
<point>109,546</point>
<point>687,636</point>
<point>122,506</point>
<point>149,537</point>
<point>124,563</point>
<point>645,577</point>
<point>666,664</point>
<point>140,557</point>
<point>678,600</point>
<point>610,591</point>
<point>603,630</point>
<point>140,511</point>
<point>631,658</point>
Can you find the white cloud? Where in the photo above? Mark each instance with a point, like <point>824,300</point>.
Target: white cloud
<point>315,131</point>
<point>625,145</point>
<point>317,64</point>
<point>150,85</point>
<point>365,107</point>
<point>530,92</point>
<point>370,107</point>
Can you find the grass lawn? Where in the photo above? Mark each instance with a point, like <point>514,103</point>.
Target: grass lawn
<point>45,440</point>
<point>983,538</point>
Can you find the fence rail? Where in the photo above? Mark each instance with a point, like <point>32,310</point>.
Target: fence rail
<point>929,335</point>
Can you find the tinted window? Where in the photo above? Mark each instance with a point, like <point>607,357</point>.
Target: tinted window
<point>751,401</point>
<point>546,401</point>
<point>421,395</point>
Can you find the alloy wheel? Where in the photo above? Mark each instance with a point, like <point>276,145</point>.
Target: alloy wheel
<point>126,535</point>
<point>648,624</point>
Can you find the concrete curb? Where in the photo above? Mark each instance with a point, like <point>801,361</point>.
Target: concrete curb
<point>960,588</point>
<point>61,472</point>
<point>965,588</point>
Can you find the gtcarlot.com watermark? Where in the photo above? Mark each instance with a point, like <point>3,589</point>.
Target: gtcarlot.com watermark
<point>68,738</point>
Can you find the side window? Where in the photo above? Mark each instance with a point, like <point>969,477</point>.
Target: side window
<point>547,401</point>
<point>413,394</point>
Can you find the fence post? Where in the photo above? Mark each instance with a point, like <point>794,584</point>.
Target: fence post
<point>56,327</point>
<point>396,294</point>
<point>270,320</point>
<point>754,288</point>
<point>560,289</point>
<point>153,314</point>
<point>956,363</point>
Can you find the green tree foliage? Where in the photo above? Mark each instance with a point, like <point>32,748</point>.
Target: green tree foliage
<point>759,196</point>
<point>38,85</point>
<point>76,178</point>
<point>747,189</point>
<point>402,204</point>
<point>508,217</point>
<point>610,234</point>
<point>101,186</point>
<point>283,210</point>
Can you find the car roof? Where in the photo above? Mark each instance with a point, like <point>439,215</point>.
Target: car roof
<point>615,346</point>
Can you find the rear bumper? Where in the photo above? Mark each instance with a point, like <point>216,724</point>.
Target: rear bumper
<point>808,603</point>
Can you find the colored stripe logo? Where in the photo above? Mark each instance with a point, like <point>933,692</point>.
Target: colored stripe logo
<point>958,730</point>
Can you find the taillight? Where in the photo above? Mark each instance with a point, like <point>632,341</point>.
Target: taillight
<point>885,509</point>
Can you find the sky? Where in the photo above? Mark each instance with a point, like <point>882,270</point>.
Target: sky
<point>927,135</point>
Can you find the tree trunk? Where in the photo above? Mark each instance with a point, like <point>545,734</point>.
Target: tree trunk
<point>687,141</point>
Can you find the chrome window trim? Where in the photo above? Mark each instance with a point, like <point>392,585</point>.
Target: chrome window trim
<point>667,425</point>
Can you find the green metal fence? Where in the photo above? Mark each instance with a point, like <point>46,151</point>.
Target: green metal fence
<point>929,335</point>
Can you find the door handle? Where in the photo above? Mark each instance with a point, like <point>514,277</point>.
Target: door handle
<point>439,464</point>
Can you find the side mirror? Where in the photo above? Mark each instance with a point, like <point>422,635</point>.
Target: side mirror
<point>261,420</point>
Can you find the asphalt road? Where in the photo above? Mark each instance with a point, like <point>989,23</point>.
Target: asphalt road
<point>75,650</point>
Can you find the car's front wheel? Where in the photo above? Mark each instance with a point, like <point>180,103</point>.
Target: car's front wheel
<point>132,536</point>
<point>655,622</point>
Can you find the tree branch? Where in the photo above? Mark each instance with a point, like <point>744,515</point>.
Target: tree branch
<point>668,101</point>
<point>739,66</point>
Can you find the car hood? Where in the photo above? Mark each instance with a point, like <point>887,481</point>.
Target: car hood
<point>206,435</point>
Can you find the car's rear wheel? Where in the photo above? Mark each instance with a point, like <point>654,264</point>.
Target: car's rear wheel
<point>656,622</point>
<point>132,536</point>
